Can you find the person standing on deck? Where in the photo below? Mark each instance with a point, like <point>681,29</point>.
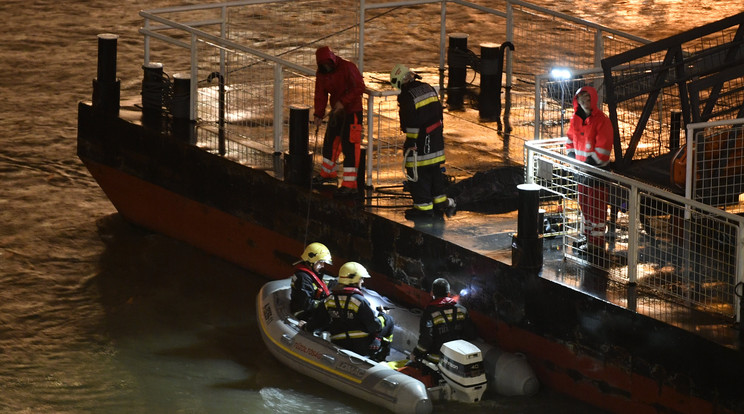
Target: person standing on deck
<point>350,319</point>
<point>308,290</point>
<point>420,113</point>
<point>340,81</point>
<point>590,138</point>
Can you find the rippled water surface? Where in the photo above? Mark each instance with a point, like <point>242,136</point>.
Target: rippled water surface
<point>99,316</point>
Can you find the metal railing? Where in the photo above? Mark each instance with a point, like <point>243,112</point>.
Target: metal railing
<point>676,246</point>
<point>265,70</point>
<point>716,177</point>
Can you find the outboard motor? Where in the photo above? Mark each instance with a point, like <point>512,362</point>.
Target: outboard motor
<point>462,368</point>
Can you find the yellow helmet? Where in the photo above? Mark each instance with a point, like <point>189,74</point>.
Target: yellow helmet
<point>351,272</point>
<point>317,252</point>
<point>400,75</point>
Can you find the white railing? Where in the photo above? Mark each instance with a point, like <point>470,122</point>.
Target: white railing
<point>653,231</point>
<point>265,73</point>
<point>656,239</point>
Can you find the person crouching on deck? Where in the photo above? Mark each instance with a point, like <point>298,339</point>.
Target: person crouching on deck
<point>308,288</point>
<point>420,113</point>
<point>340,81</point>
<point>350,319</point>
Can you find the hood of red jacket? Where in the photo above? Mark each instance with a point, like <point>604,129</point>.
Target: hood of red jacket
<point>324,54</point>
<point>592,94</point>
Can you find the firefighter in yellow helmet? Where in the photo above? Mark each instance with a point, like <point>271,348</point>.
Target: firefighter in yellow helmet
<point>308,288</point>
<point>420,113</point>
<point>350,319</point>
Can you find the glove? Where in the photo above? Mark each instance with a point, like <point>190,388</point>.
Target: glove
<point>375,345</point>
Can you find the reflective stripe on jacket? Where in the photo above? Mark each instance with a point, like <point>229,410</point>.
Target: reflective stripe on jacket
<point>590,136</point>
<point>421,121</point>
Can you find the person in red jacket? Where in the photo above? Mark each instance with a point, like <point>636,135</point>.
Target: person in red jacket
<point>590,138</point>
<point>339,81</point>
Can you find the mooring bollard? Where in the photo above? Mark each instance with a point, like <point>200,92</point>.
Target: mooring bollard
<point>153,89</point>
<point>181,105</point>
<point>106,87</point>
<point>183,127</point>
<point>458,65</point>
<point>298,162</point>
<point>489,99</point>
<point>527,244</point>
<point>492,71</point>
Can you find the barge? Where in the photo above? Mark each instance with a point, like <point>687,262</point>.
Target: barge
<point>577,341</point>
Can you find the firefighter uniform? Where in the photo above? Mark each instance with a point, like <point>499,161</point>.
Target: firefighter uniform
<point>420,112</point>
<point>443,320</point>
<point>307,293</point>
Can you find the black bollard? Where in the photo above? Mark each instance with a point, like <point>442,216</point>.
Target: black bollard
<point>152,95</point>
<point>527,244</point>
<point>675,126</point>
<point>220,110</point>
<point>181,104</point>
<point>106,87</point>
<point>183,127</point>
<point>152,87</point>
<point>362,169</point>
<point>298,161</point>
<point>489,99</point>
<point>457,63</point>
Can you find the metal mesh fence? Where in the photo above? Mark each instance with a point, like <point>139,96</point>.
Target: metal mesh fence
<point>246,83</point>
<point>660,241</point>
<point>388,139</point>
<point>563,43</point>
<point>555,101</point>
<point>292,30</point>
<point>647,91</point>
<point>719,162</point>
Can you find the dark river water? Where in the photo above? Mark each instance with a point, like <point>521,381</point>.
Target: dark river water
<point>98,316</point>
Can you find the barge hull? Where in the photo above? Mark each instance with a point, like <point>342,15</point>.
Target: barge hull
<point>591,350</point>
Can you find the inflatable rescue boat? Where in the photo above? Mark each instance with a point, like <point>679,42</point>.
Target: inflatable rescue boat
<point>468,369</point>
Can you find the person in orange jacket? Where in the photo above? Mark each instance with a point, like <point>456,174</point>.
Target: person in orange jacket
<point>339,81</point>
<point>590,138</point>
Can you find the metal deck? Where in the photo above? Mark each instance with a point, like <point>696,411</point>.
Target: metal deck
<point>478,147</point>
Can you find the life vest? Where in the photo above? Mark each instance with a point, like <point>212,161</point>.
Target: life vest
<point>343,307</point>
<point>446,317</point>
<point>447,322</point>
<point>320,288</point>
